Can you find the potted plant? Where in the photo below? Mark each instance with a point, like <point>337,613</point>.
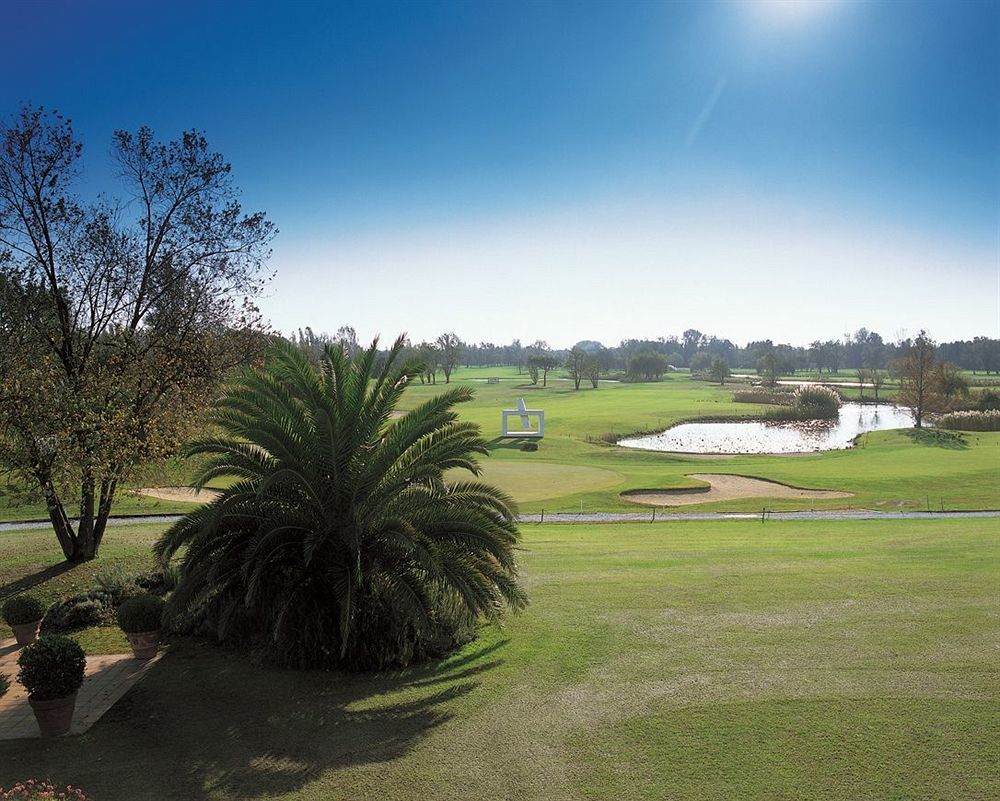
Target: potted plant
<point>141,619</point>
<point>52,670</point>
<point>24,614</point>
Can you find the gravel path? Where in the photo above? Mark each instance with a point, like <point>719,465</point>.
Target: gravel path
<point>621,517</point>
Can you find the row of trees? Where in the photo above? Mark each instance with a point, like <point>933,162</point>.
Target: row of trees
<point>863,349</point>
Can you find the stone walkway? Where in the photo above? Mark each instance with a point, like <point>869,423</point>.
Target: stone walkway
<point>108,678</point>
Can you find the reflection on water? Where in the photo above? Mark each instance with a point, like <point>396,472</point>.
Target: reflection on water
<point>759,437</point>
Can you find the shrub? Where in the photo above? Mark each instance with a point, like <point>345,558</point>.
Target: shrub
<point>141,613</point>
<point>4,685</point>
<point>91,608</point>
<point>51,667</point>
<point>119,583</point>
<point>776,396</point>
<point>811,402</point>
<point>33,790</point>
<point>22,609</point>
<point>971,421</point>
<point>817,402</point>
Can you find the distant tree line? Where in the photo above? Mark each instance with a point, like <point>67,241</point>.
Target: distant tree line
<point>651,359</point>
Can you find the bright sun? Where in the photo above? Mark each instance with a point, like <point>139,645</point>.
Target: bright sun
<point>788,12</point>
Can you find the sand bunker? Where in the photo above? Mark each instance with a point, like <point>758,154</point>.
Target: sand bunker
<point>187,494</point>
<point>724,487</point>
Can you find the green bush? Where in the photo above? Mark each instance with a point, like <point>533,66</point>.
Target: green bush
<point>142,613</point>
<point>971,421</point>
<point>91,608</point>
<point>22,609</point>
<point>4,685</point>
<point>810,402</point>
<point>51,667</point>
<point>817,402</point>
<point>119,583</point>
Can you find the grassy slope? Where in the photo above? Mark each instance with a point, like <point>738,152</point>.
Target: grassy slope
<point>681,661</point>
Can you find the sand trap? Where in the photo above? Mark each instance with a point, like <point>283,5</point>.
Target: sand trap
<point>186,494</point>
<point>725,488</point>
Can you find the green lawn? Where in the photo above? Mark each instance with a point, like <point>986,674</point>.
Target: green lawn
<point>573,467</point>
<point>693,660</point>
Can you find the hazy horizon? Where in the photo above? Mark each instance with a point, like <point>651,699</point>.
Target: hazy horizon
<point>756,170</point>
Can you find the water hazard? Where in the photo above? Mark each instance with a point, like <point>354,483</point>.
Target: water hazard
<point>765,437</point>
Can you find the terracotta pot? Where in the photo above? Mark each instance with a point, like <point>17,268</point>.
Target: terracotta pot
<point>26,633</point>
<point>144,643</point>
<point>54,716</point>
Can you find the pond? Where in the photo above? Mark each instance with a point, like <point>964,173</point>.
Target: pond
<point>765,437</point>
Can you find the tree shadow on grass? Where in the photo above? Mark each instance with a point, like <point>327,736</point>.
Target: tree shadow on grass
<point>205,721</point>
<point>937,438</point>
<point>34,579</point>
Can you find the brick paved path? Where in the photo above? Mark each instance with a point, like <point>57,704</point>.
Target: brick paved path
<point>108,678</point>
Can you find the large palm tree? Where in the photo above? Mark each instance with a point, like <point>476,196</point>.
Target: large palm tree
<point>343,541</point>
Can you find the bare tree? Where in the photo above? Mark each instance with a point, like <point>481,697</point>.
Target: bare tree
<point>117,319</point>
<point>877,379</point>
<point>918,380</point>
<point>592,370</point>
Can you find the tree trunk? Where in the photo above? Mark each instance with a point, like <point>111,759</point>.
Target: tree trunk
<point>60,521</point>
<point>83,543</point>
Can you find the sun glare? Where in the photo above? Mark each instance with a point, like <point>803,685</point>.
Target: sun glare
<point>789,12</point>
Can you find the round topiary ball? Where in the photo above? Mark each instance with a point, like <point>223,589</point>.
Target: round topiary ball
<point>141,613</point>
<point>51,667</point>
<point>22,609</point>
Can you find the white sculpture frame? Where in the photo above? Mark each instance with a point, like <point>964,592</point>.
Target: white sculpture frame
<point>525,414</point>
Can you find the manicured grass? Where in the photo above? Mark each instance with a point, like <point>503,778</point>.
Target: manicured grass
<point>692,660</point>
<point>889,470</point>
<point>572,468</point>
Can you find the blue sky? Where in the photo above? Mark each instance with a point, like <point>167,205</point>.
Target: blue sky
<point>572,170</point>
